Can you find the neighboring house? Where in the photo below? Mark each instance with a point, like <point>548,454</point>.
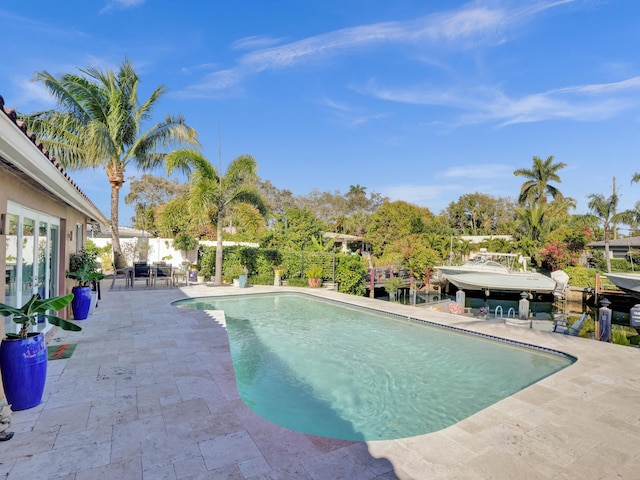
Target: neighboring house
<point>618,248</point>
<point>44,217</point>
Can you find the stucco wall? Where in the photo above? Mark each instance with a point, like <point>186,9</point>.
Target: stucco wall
<point>17,190</point>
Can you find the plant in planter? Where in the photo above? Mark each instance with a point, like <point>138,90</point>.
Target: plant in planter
<point>23,355</point>
<point>314,275</point>
<point>392,286</point>
<point>85,274</point>
<point>238,274</point>
<point>278,272</point>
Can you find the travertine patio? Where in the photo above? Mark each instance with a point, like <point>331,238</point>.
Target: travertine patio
<point>149,393</point>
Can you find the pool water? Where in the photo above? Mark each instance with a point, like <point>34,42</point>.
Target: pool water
<point>343,372</point>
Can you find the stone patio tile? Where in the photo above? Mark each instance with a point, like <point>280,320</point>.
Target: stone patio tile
<point>338,464</point>
<point>228,450</point>
<point>70,419</point>
<point>130,469</point>
<point>286,448</point>
<point>112,412</point>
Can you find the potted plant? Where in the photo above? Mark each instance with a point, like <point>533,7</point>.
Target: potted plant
<point>314,275</point>
<point>392,286</point>
<point>237,274</point>
<point>278,272</point>
<point>23,355</point>
<point>82,299</point>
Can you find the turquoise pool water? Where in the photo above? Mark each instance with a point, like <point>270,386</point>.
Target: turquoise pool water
<point>336,371</point>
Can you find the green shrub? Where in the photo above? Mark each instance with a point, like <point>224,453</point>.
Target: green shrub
<point>581,277</point>
<point>619,336</point>
<point>392,285</point>
<point>298,282</point>
<point>261,279</point>
<point>350,274</point>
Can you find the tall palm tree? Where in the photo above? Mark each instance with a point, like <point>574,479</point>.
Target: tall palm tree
<point>212,195</point>
<point>604,209</point>
<point>99,123</point>
<point>537,186</point>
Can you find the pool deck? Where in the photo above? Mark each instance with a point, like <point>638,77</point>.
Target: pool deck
<point>149,393</point>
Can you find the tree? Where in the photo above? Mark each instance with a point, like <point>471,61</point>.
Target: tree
<point>480,214</point>
<point>99,123</point>
<point>605,210</point>
<point>296,229</point>
<point>395,220</point>
<point>213,195</point>
<point>147,194</point>
<point>537,187</point>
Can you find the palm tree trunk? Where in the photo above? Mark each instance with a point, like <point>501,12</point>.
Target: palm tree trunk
<point>218,277</point>
<point>607,236</point>
<point>115,172</point>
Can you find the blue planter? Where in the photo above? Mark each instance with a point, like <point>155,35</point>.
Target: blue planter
<point>81,302</point>
<point>24,370</point>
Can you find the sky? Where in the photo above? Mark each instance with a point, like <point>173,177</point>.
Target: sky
<point>421,101</point>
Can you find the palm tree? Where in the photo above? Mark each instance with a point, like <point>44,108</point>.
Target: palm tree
<point>604,209</point>
<point>537,186</point>
<point>99,123</point>
<point>212,196</point>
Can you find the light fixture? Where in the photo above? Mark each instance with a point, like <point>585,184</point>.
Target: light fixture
<point>70,235</point>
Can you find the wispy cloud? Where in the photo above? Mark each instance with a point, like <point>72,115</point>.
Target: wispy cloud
<point>474,171</point>
<point>484,104</point>
<point>472,24</point>
<point>418,194</point>
<point>121,5</point>
<point>255,42</point>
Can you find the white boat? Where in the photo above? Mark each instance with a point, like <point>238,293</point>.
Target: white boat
<point>627,282</point>
<point>490,271</point>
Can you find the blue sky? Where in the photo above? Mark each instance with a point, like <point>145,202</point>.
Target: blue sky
<point>420,101</point>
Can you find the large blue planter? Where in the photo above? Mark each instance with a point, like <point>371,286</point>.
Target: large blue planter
<point>23,363</point>
<point>81,302</point>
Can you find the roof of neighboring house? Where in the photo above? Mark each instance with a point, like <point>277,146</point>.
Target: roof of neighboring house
<point>123,232</point>
<point>618,243</point>
<point>21,150</point>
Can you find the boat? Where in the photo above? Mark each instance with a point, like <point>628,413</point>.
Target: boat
<point>492,271</point>
<point>627,282</point>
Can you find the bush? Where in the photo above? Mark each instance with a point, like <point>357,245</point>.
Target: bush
<point>261,279</point>
<point>350,274</point>
<point>619,336</point>
<point>581,277</point>
<point>297,282</point>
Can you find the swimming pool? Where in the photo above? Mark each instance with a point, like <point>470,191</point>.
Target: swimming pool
<point>329,369</point>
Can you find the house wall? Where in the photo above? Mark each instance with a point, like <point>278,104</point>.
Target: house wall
<point>13,188</point>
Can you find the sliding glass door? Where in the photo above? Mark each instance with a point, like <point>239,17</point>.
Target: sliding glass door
<point>32,255</point>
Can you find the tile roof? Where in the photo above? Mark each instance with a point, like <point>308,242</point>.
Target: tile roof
<point>13,116</point>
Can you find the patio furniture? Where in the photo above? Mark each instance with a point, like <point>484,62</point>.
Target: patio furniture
<point>141,271</point>
<point>125,273</point>
<point>163,272</point>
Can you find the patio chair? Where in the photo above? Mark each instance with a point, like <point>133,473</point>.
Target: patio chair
<point>121,272</point>
<point>141,270</point>
<point>163,271</point>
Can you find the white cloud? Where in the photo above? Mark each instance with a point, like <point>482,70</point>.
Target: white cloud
<point>469,25</point>
<point>486,170</point>
<point>121,5</point>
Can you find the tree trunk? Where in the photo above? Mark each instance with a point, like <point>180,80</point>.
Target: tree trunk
<point>607,235</point>
<point>218,277</point>
<point>115,171</point>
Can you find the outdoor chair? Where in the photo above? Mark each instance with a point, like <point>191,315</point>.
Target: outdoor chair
<point>164,272</point>
<point>121,272</point>
<point>142,271</point>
